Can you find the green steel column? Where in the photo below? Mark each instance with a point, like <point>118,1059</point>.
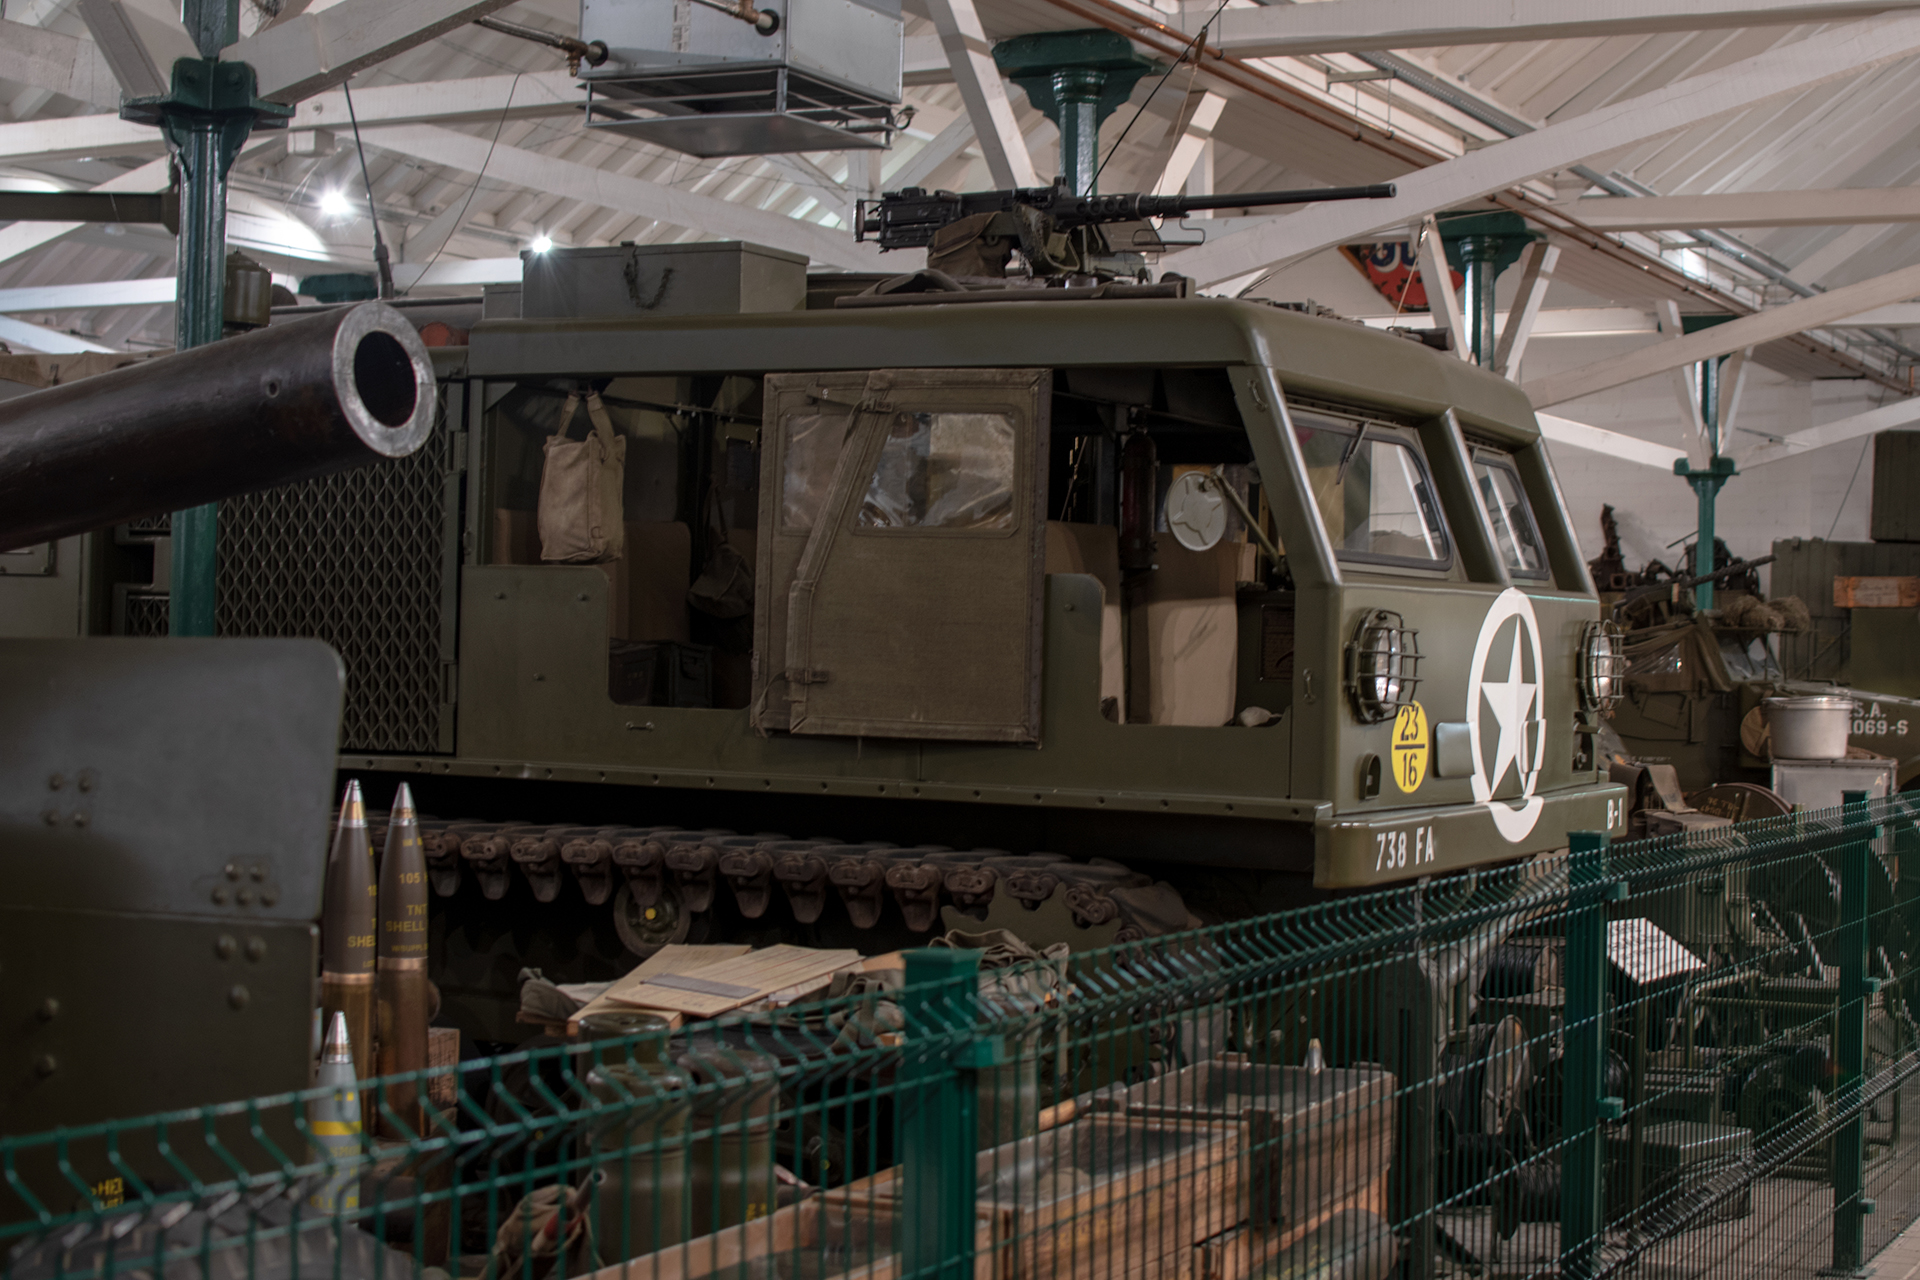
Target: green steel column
<point>1481,256</point>
<point>1850,1207</point>
<point>1582,1200</point>
<point>208,113</point>
<point>1706,484</point>
<point>1077,91</point>
<point>1709,377</point>
<point>938,1126</point>
<point>199,292</point>
<point>1481,246</point>
<point>1076,79</point>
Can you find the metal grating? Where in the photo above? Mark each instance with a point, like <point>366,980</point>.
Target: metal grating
<point>151,526</point>
<point>146,614</point>
<point>353,559</point>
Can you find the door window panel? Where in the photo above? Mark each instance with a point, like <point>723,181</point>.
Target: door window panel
<point>1505,503</point>
<point>813,445</point>
<point>1373,493</point>
<point>943,471</point>
<point>902,553</point>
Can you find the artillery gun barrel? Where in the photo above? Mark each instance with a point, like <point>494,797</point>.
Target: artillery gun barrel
<point>1738,566</point>
<point>307,398</point>
<point>1684,584</point>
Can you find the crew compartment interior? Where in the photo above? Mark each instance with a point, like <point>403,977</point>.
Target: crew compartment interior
<point>786,532</point>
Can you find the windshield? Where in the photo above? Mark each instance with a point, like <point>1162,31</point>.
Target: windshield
<point>1371,487</point>
<point>1505,503</point>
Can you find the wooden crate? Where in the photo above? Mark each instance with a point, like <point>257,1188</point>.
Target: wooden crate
<point>1247,1249</point>
<point>825,1237</point>
<point>1114,1197</point>
<point>1312,1139</point>
<point>1105,1197</point>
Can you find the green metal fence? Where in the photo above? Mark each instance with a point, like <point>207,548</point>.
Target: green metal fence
<point>1683,1056</point>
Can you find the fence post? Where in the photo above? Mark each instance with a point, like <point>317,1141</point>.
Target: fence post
<point>1582,1200</point>
<point>938,1124</point>
<point>1850,1207</point>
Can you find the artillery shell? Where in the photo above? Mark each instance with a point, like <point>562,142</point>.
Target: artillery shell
<point>347,932</point>
<point>404,999</point>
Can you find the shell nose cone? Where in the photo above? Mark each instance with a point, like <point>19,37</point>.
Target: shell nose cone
<point>339,1047</point>
<point>353,811</point>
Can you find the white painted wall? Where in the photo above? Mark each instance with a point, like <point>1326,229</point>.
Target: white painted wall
<point>1806,496</point>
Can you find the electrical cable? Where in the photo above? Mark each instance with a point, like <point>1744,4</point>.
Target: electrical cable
<point>1192,44</point>
<point>381,259</point>
<point>478,178</point>
<point>1849,493</point>
<point>1173,134</point>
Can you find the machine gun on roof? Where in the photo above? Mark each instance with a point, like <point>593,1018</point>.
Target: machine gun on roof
<point>1057,232</point>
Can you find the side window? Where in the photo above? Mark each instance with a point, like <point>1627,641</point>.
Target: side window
<point>943,471</point>
<point>1371,487</point>
<point>1511,519</point>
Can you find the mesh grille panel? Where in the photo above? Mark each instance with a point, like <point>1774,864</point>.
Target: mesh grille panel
<point>355,560</point>
<point>146,614</point>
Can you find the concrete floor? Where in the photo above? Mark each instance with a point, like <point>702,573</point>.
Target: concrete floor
<point>1787,1236</point>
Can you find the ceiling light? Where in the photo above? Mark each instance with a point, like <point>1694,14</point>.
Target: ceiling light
<point>541,244</point>
<point>334,204</point>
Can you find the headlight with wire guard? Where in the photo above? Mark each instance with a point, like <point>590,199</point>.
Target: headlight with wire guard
<point>1603,664</point>
<point>1383,662</point>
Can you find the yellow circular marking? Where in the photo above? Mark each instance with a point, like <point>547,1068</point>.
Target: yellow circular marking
<point>1410,747</point>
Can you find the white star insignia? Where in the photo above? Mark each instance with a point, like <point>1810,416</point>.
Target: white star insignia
<point>1511,701</point>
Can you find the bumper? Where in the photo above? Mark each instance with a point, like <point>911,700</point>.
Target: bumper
<point>1405,844</point>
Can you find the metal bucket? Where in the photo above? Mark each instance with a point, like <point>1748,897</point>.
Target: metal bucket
<point>640,1159</point>
<point>1009,1103</point>
<point>1811,728</point>
<point>639,1156</point>
<point>618,1024</point>
<point>730,1155</point>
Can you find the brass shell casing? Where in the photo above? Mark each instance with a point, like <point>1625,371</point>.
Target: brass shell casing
<point>403,991</point>
<point>347,931</point>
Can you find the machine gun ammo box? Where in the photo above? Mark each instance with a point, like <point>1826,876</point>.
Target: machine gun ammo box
<point>1820,784</point>
<point>1896,475</point>
<point>1315,1139</point>
<point>1683,1161</point>
<point>660,673</point>
<point>723,278</point>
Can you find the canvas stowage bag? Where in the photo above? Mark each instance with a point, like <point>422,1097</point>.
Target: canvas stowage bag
<point>580,511</point>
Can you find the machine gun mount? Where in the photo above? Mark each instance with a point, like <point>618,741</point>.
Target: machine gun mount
<point>1058,233</point>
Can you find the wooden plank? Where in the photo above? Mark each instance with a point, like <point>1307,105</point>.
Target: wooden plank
<point>1245,1250</point>
<point>829,1229</point>
<point>1876,593</point>
<point>732,983</point>
<point>672,958</point>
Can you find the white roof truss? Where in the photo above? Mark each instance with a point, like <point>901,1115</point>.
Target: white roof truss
<point>1747,209</point>
<point>1745,331</point>
<point>1841,52</point>
<point>1344,26</point>
<point>970,56</point>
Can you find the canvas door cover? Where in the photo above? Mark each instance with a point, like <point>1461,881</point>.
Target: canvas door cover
<point>902,544</point>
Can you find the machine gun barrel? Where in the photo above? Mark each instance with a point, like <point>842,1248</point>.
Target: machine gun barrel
<point>1078,210</point>
<point>290,402</point>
